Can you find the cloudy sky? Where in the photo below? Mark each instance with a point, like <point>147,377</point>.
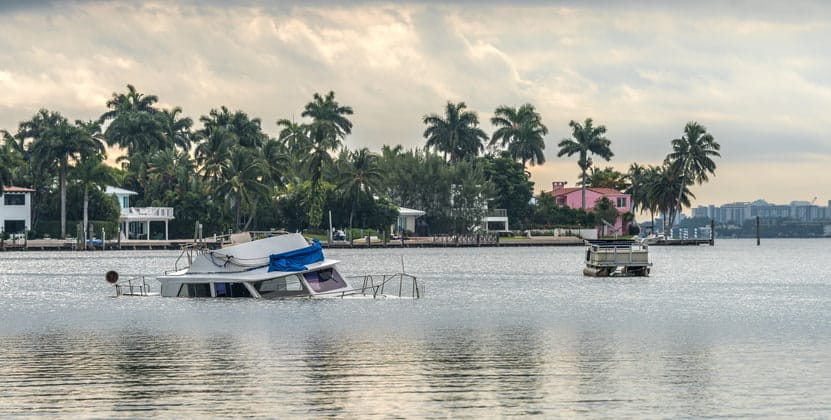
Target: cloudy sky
<point>756,74</point>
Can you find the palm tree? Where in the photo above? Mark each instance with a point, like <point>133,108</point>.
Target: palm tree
<point>212,151</point>
<point>693,155</point>
<point>649,180</point>
<point>585,139</point>
<point>607,177</point>
<point>277,161</point>
<point>295,136</point>
<point>7,150</point>
<point>361,176</point>
<point>521,131</point>
<point>134,124</point>
<point>328,110</point>
<point>91,172</point>
<point>170,172</point>
<point>606,213</point>
<point>663,193</point>
<point>176,130</point>
<point>130,101</point>
<point>243,172</point>
<point>58,146</point>
<point>323,138</point>
<point>247,132</point>
<point>636,180</point>
<point>456,134</point>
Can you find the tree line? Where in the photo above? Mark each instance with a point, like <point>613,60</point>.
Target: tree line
<point>229,174</point>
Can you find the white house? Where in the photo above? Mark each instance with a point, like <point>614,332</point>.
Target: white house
<point>134,222</point>
<point>406,220</point>
<point>16,209</point>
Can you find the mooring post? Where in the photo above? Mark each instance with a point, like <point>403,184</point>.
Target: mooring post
<point>758,240</point>
<point>712,232</point>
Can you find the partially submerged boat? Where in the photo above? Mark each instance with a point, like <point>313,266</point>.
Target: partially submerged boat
<point>272,267</point>
<point>611,258</point>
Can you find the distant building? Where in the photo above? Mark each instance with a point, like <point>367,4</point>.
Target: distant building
<point>737,213</point>
<point>491,219</point>
<point>573,197</point>
<point>16,210</point>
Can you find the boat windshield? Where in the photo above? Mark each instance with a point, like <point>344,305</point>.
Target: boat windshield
<point>324,280</point>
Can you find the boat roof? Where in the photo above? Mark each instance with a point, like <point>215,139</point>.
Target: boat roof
<point>246,255</point>
<point>253,275</point>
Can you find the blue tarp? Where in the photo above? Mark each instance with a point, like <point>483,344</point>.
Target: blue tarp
<point>296,260</point>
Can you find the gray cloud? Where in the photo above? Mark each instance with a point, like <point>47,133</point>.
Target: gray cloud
<point>754,74</point>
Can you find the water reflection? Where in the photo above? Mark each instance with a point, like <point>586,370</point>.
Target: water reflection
<point>682,345</point>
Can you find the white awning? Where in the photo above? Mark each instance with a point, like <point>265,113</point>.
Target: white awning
<point>116,190</point>
<point>403,211</point>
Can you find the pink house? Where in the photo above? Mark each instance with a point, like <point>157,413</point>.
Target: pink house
<point>573,198</point>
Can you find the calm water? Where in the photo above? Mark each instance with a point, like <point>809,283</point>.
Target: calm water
<point>733,330</point>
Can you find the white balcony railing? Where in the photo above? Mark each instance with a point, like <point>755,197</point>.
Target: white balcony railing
<point>148,212</point>
<point>497,213</point>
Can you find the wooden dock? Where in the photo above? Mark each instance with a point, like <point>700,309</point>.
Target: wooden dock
<point>71,245</point>
<point>682,242</point>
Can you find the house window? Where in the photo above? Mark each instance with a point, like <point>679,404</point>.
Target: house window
<point>125,202</point>
<point>621,202</point>
<point>14,199</point>
<point>14,226</point>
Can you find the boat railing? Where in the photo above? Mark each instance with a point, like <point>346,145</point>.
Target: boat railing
<point>401,285</point>
<point>616,253</point>
<point>132,286</point>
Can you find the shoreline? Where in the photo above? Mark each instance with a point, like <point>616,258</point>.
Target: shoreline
<point>176,244</point>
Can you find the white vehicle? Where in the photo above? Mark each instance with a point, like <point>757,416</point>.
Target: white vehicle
<point>273,267</point>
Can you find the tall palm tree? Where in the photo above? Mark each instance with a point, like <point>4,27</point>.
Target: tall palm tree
<point>91,172</point>
<point>134,124</point>
<point>521,131</point>
<point>133,100</point>
<point>328,110</point>
<point>361,176</point>
<point>693,155</point>
<point>457,133</point>
<point>586,138</point>
<point>59,146</point>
